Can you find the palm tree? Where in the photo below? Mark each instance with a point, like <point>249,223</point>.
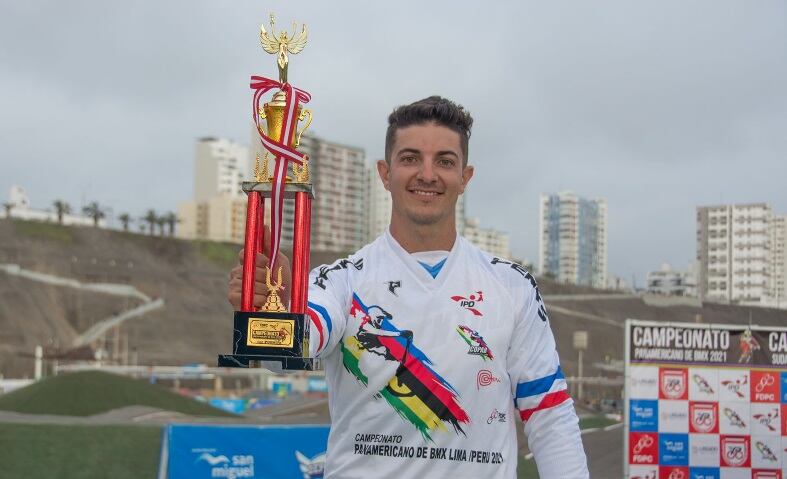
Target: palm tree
<point>152,219</point>
<point>8,207</point>
<point>161,221</point>
<point>94,211</point>
<point>125,219</point>
<point>171,219</point>
<point>62,208</point>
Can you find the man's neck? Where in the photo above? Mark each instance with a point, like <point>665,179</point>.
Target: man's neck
<point>416,238</point>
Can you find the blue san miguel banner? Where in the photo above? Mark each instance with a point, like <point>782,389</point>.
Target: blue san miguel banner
<point>235,452</point>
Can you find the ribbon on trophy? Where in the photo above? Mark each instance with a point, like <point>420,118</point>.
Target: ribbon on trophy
<point>281,150</point>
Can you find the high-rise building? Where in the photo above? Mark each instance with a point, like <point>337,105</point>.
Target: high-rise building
<point>741,253</point>
<point>339,177</point>
<point>573,240</point>
<point>218,211</point>
<point>779,263</point>
<point>379,205</point>
<point>487,239</point>
<point>219,167</point>
<point>378,209</point>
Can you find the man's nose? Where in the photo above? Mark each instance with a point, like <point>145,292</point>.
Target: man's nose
<point>427,172</point>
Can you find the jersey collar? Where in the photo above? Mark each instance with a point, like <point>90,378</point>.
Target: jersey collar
<point>415,268</point>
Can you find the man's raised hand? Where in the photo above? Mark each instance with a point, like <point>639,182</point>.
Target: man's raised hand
<point>260,288</point>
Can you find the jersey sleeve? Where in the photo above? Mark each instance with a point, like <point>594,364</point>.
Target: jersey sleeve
<point>329,299</point>
<point>541,394</point>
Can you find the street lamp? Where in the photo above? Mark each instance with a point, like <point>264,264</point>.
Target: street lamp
<point>580,344</point>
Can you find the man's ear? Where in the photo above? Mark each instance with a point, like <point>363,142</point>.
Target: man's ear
<point>467,174</point>
<point>384,170</point>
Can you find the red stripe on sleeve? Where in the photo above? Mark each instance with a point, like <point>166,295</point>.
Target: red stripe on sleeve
<point>318,324</point>
<point>549,400</point>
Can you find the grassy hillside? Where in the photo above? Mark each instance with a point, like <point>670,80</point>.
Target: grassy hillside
<point>93,392</point>
<point>194,326</point>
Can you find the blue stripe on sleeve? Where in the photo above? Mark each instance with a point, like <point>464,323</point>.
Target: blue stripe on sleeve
<point>323,312</point>
<point>538,386</point>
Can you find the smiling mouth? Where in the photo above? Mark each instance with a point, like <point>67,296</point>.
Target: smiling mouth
<point>425,192</point>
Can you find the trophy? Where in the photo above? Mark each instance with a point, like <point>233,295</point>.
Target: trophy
<point>274,333</point>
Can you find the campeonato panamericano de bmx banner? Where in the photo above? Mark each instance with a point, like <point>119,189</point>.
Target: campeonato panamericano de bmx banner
<point>705,401</point>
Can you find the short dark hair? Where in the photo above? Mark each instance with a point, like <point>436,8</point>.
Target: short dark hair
<point>434,109</point>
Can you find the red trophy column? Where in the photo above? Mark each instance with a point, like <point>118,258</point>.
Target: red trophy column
<point>300,253</point>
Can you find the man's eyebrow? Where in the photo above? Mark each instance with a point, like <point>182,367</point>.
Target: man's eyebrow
<point>447,152</point>
<point>408,150</point>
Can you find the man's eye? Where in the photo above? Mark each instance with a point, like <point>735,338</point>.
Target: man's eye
<point>407,159</point>
<point>447,162</point>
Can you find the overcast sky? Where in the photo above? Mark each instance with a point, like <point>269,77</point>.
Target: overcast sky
<point>656,106</point>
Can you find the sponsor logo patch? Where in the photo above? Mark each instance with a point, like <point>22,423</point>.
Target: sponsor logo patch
<point>470,302</point>
<point>485,378</point>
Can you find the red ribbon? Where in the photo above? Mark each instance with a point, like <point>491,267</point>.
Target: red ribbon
<point>280,149</point>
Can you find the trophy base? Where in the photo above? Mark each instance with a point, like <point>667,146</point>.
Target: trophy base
<point>269,362</point>
<point>267,337</point>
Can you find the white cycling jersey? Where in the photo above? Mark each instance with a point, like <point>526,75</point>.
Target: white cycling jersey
<point>425,374</point>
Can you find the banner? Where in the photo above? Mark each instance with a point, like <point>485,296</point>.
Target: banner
<point>259,452</point>
<point>705,401</point>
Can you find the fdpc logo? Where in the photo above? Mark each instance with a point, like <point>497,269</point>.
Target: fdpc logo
<point>673,383</point>
<point>643,448</point>
<point>764,386</point>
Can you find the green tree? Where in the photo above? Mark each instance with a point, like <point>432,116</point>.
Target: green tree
<point>152,219</point>
<point>61,208</point>
<point>94,211</point>
<point>125,219</point>
<point>8,207</point>
<point>171,219</point>
<point>161,222</point>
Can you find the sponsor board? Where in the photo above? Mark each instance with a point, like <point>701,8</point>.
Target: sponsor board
<point>712,397</point>
<point>200,451</point>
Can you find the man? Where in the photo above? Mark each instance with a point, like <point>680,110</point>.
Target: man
<point>440,408</point>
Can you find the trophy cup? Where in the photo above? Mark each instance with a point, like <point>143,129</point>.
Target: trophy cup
<point>274,333</point>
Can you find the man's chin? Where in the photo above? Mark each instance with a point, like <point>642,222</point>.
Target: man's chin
<point>425,219</point>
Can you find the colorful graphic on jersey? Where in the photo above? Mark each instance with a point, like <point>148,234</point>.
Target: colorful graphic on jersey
<point>478,346</point>
<point>470,301</point>
<point>417,392</point>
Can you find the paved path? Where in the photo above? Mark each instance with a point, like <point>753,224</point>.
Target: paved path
<point>104,325</point>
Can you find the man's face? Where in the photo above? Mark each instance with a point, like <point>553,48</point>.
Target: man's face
<point>425,175</point>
